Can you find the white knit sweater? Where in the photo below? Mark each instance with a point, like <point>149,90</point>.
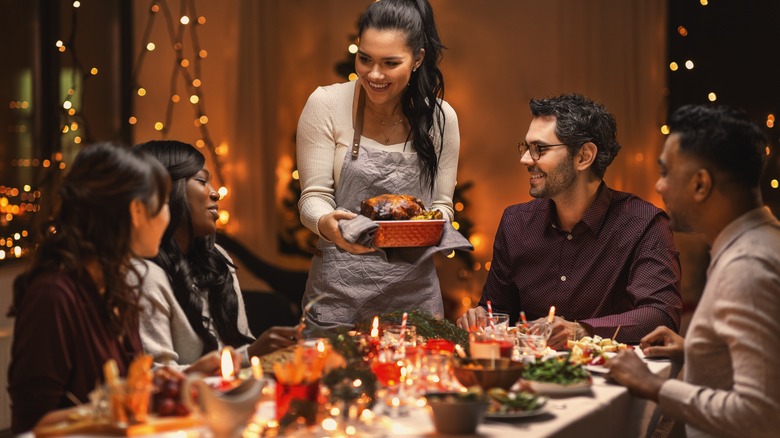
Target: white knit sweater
<point>325,134</point>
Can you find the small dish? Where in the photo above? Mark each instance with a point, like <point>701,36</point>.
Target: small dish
<point>517,414</point>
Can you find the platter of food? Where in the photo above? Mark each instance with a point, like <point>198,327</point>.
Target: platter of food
<point>403,221</point>
<point>558,376</point>
<point>514,404</point>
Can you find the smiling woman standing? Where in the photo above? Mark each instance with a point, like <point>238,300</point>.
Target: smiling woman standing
<point>388,132</point>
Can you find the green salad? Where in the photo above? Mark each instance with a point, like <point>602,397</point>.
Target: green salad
<point>556,370</point>
<point>507,402</point>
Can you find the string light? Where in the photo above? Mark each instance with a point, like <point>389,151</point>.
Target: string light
<point>712,97</point>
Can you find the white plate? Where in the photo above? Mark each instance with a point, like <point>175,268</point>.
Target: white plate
<point>517,414</point>
<point>557,389</point>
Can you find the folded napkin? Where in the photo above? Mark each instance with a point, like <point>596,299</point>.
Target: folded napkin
<point>361,230</point>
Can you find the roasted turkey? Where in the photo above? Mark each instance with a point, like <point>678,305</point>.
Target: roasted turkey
<point>396,207</point>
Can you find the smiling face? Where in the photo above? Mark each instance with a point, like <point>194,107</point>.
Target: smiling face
<point>202,201</point>
<point>553,174</point>
<point>384,63</point>
<point>676,185</point>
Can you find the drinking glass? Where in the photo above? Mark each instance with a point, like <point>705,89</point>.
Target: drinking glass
<point>488,345</point>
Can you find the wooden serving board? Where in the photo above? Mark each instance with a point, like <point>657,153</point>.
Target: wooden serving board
<point>92,427</point>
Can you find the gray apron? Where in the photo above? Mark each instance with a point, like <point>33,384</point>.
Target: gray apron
<point>352,288</point>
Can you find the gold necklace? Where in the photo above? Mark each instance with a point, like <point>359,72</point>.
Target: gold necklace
<point>392,129</point>
<point>382,122</point>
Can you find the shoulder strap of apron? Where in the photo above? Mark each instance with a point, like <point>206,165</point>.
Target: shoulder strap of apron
<point>358,122</point>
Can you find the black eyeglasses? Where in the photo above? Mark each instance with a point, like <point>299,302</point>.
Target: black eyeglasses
<point>535,148</point>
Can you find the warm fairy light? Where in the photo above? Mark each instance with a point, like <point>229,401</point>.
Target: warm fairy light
<point>465,301</point>
<point>704,2</point>
<point>459,206</point>
<point>226,364</point>
<point>353,48</point>
<point>185,63</point>
<point>59,43</point>
<point>17,251</point>
<point>158,126</point>
<point>74,126</point>
<point>224,217</point>
<point>194,99</point>
<point>196,83</point>
<point>132,120</point>
<point>682,30</point>
<point>203,119</point>
<point>257,370</point>
<point>768,151</point>
<point>71,91</point>
<point>203,54</point>
<point>71,111</point>
<point>295,174</point>
<point>67,104</point>
<point>774,183</point>
<point>712,97</point>
<point>665,129</point>
<point>639,157</point>
<point>770,121</point>
<point>673,66</point>
<point>150,47</point>
<point>223,191</point>
<point>77,139</point>
<point>689,64</point>
<point>184,20</point>
<point>155,8</point>
<point>141,92</point>
<point>201,20</point>
<point>57,156</point>
<point>62,166</point>
<point>456,225</point>
<point>488,264</point>
<point>451,255</point>
<point>2,254</point>
<point>353,76</point>
<point>65,129</point>
<point>476,240</point>
<point>477,266</point>
<point>76,4</point>
<point>200,143</point>
<point>330,424</point>
<point>62,49</point>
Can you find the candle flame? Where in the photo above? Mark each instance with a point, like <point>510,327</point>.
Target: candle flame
<point>551,315</point>
<point>375,328</point>
<point>321,347</point>
<point>257,370</point>
<point>227,364</point>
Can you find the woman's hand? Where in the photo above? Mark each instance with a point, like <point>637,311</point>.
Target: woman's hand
<point>329,229</point>
<point>628,370</point>
<point>211,363</point>
<point>273,339</point>
<point>663,342</point>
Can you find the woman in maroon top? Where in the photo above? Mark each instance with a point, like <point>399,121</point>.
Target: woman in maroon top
<point>74,309</point>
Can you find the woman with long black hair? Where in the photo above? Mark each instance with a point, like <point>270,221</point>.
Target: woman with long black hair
<point>388,132</point>
<point>191,301</point>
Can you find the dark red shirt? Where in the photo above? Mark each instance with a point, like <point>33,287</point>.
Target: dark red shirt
<point>60,344</point>
<point>617,267</point>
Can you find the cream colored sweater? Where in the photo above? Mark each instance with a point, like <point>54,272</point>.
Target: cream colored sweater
<point>325,133</point>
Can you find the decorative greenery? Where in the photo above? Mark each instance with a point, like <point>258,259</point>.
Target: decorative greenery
<point>428,326</point>
<point>343,387</point>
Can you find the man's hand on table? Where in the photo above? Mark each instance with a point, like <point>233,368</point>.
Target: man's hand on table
<point>562,331</point>
<point>469,319</point>
<point>663,342</point>
<point>630,371</point>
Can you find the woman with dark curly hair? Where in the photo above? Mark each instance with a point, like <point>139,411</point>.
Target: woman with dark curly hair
<point>73,306</point>
<point>192,304</point>
<point>388,132</point>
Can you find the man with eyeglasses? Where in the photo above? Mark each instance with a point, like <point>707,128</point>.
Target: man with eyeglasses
<point>604,258</point>
<point>711,168</point>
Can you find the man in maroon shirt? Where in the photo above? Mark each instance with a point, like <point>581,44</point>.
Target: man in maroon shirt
<point>605,259</point>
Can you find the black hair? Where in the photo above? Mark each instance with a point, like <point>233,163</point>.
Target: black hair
<point>724,137</point>
<point>203,269</point>
<point>93,222</point>
<point>580,120</point>
<point>421,101</point>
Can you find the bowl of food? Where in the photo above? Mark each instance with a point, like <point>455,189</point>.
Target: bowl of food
<point>457,413</point>
<point>403,221</point>
<point>488,373</point>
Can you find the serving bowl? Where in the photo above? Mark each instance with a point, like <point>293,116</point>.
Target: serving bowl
<point>488,373</point>
<point>455,415</point>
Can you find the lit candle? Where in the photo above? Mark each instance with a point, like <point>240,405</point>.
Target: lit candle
<point>375,328</point>
<point>257,370</point>
<point>227,383</point>
<point>551,316</point>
